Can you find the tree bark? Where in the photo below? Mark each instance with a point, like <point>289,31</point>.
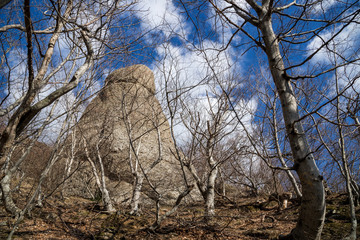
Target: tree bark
<point>210,190</point>
<point>312,212</point>
<point>135,200</point>
<point>7,197</point>
<point>105,193</point>
<point>278,150</point>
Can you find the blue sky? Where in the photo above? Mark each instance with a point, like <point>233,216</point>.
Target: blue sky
<point>187,41</point>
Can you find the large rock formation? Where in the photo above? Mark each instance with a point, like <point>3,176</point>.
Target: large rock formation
<point>125,109</point>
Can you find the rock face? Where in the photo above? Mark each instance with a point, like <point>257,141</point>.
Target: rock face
<point>125,109</point>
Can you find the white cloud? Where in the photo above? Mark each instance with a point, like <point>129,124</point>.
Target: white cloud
<point>320,7</point>
<point>197,74</point>
<point>230,12</point>
<point>194,73</point>
<point>18,75</point>
<point>161,15</point>
<point>345,45</point>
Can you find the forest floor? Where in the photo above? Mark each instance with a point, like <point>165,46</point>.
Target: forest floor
<point>76,218</point>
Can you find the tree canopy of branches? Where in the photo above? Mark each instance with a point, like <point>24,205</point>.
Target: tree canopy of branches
<point>50,49</point>
<point>293,35</point>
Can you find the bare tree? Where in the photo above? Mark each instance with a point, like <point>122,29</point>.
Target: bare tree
<point>28,108</point>
<point>63,41</point>
<point>271,132</point>
<point>209,126</point>
<point>277,28</point>
<point>140,169</point>
<point>56,151</point>
<point>338,140</point>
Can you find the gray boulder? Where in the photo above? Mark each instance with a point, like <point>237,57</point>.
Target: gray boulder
<point>126,108</point>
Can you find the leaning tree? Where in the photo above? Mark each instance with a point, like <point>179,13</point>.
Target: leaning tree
<point>292,35</point>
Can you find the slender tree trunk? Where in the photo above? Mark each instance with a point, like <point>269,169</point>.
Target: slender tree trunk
<point>210,190</point>
<point>100,182</point>
<point>223,184</point>
<point>312,212</point>
<point>105,193</point>
<point>159,218</point>
<point>135,200</point>
<point>346,170</point>
<point>356,191</point>
<point>283,163</point>
<point>39,197</point>
<point>69,161</point>
<point>352,235</point>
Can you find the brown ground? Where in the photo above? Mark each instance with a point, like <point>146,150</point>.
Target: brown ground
<point>76,218</point>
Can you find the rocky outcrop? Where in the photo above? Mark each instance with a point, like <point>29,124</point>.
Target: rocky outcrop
<point>125,109</point>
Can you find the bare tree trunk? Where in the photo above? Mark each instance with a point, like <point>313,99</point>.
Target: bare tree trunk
<point>356,191</point>
<point>312,212</point>
<point>7,196</point>
<point>5,186</point>
<point>344,160</point>
<point>354,186</point>
<point>69,161</point>
<point>159,218</point>
<point>210,190</point>
<point>100,182</point>
<point>135,200</point>
<point>352,235</point>
<point>223,183</point>
<point>283,163</point>
<point>39,197</point>
<point>105,193</point>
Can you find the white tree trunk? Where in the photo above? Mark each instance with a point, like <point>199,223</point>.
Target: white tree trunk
<point>135,200</point>
<point>105,193</point>
<point>283,163</point>
<point>346,169</point>
<point>312,212</point>
<point>100,182</point>
<point>352,235</point>
<point>6,195</point>
<point>210,190</point>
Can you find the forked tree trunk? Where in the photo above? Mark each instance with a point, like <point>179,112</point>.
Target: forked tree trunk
<point>100,181</point>
<point>312,212</point>
<point>104,192</point>
<point>159,218</point>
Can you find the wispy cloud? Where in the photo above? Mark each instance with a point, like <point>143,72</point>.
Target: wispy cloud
<point>341,47</point>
